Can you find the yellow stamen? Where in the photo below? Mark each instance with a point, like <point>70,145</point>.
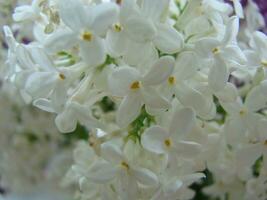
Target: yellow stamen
<point>135,85</point>
<point>87,36</point>
<point>117,27</point>
<point>215,50</point>
<point>118,2</point>
<point>168,142</point>
<point>62,76</point>
<point>171,80</point>
<point>125,165</point>
<point>242,112</point>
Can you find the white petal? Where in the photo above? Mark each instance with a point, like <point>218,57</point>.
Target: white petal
<point>72,114</point>
<point>102,172</point>
<point>190,97</point>
<point>41,59</point>
<point>185,66</point>
<point>128,188</point>
<point>153,99</point>
<point>128,9</point>
<point>190,179</point>
<point>44,104</point>
<point>218,75</point>
<point>238,8</point>
<point>257,98</point>
<point>93,52</point>
<point>140,53</point>
<point>173,186</point>
<point>182,122</point>
<point>40,84</point>
<point>188,149</point>
<point>116,43</point>
<point>140,29</point>
<point>154,9</point>
<point>160,71</point>
<point>23,13</point>
<point>189,13</point>
<point>89,189</point>
<point>205,46</point>
<point>168,39</point>
<point>84,155</point>
<point>232,108</point>
<point>234,131</point>
<point>65,121</point>
<point>197,26</point>
<point>107,193</point>
<point>105,15</point>
<point>234,53</point>
<point>260,41</point>
<point>253,58</point>
<point>231,30</point>
<point>22,77</point>
<point>59,95</point>
<point>9,38</point>
<point>129,109</point>
<point>24,59</point>
<point>220,6</point>
<point>72,13</point>
<point>262,129</point>
<point>112,153</point>
<point>153,139</point>
<point>121,79</point>
<point>248,155</point>
<point>228,94</point>
<point>61,39</point>
<point>146,177</point>
<point>83,115</point>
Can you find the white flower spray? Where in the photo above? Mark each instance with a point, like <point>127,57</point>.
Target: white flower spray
<point>154,82</point>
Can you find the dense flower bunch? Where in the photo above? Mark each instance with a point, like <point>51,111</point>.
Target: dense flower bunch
<point>167,90</point>
<point>34,156</point>
<point>31,153</point>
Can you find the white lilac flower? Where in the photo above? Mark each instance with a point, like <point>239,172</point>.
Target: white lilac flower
<point>86,25</point>
<point>27,12</point>
<point>115,165</point>
<point>257,56</point>
<point>238,8</point>
<point>24,166</point>
<point>138,89</point>
<point>243,117</point>
<point>222,52</point>
<point>256,187</point>
<point>174,187</point>
<point>170,141</point>
<point>142,28</point>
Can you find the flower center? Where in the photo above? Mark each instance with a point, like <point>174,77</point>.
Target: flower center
<point>171,80</point>
<point>242,112</point>
<point>135,85</point>
<point>117,27</point>
<point>125,165</point>
<point>62,76</point>
<point>118,2</point>
<point>168,143</point>
<point>87,36</point>
<point>215,50</point>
